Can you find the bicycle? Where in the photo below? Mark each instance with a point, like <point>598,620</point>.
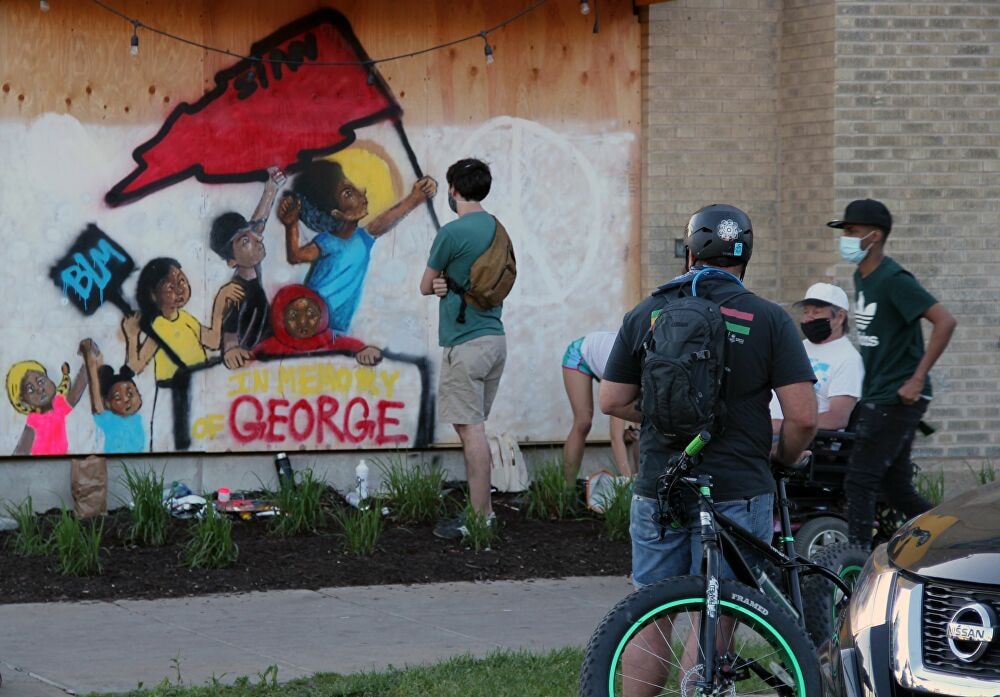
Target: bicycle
<point>653,642</point>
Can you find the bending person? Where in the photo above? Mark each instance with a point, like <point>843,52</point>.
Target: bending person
<point>582,365</point>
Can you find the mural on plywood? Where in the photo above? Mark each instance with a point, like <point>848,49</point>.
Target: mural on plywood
<point>249,281</point>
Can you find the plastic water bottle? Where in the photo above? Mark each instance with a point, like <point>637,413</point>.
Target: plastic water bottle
<point>361,477</point>
<point>284,468</point>
<point>357,497</point>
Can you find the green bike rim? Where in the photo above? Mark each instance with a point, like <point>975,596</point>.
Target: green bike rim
<point>849,575</point>
<point>799,678</point>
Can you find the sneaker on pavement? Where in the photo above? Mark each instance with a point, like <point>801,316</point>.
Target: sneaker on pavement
<point>454,528</point>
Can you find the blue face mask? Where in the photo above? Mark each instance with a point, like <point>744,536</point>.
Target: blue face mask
<point>850,248</point>
<point>452,204</point>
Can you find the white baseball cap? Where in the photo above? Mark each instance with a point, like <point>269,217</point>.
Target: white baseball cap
<point>827,294</point>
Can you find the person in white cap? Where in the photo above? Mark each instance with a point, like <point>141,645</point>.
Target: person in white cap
<point>837,364</point>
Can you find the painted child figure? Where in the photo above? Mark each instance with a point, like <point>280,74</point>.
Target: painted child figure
<point>301,325</point>
<point>46,405</point>
<point>173,333</point>
<point>332,206</point>
<point>175,341</point>
<point>115,402</point>
<point>240,243</point>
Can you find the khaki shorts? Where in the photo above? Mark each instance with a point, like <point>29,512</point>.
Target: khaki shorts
<point>470,374</point>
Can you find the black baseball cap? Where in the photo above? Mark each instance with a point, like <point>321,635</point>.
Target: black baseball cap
<point>865,211</point>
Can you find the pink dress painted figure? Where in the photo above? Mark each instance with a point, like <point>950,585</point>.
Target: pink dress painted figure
<point>50,428</point>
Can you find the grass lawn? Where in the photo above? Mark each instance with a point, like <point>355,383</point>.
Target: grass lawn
<point>522,674</point>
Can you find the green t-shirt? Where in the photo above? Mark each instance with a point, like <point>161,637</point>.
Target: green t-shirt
<point>888,306</point>
<point>457,245</point>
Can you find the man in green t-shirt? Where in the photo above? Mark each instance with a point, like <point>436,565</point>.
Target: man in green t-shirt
<point>889,304</point>
<point>474,349</point>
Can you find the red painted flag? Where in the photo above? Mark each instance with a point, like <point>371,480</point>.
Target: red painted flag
<point>278,110</point>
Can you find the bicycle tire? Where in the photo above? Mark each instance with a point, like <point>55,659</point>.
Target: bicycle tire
<point>605,666</point>
<point>820,597</point>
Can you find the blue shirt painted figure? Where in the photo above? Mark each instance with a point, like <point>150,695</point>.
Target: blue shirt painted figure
<point>338,276</point>
<point>122,434</point>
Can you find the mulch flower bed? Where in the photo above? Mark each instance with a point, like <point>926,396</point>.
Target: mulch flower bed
<point>526,548</point>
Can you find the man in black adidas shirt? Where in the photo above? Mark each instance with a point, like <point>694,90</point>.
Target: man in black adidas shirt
<point>889,304</point>
<point>764,353</point>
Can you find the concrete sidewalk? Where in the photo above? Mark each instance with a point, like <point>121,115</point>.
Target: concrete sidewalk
<point>50,649</point>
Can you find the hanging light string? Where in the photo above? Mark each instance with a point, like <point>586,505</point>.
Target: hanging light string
<point>137,24</point>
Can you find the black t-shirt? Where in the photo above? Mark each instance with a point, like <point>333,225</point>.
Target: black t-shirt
<point>250,319</point>
<point>764,352</point>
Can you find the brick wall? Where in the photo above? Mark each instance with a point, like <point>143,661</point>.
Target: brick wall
<point>918,126</point>
<point>709,116</point>
<point>806,125</point>
<point>792,108</point>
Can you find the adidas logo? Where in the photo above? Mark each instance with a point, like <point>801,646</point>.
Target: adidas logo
<point>863,314</point>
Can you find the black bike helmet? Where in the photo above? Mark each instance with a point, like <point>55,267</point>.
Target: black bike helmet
<point>722,233</point>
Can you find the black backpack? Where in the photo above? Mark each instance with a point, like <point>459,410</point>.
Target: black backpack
<point>684,367</point>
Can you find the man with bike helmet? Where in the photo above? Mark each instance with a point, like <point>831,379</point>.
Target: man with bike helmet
<point>763,352</point>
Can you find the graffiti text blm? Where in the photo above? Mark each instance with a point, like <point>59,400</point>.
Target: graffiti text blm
<point>246,84</point>
<point>93,271</point>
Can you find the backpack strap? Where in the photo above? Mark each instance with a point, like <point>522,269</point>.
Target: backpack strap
<point>457,288</point>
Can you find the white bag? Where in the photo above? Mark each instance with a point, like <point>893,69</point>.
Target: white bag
<point>508,473</point>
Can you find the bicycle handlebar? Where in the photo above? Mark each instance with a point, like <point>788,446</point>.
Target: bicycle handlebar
<point>698,443</point>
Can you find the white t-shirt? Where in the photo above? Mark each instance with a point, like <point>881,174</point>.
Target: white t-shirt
<point>595,350</point>
<point>839,373</point>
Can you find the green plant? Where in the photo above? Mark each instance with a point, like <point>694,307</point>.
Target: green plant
<point>930,485</point>
<point>479,532</point>
<point>986,474</point>
<point>28,540</point>
<point>150,518</point>
<point>413,493</point>
<point>617,507</point>
<point>360,527</point>
<point>78,545</point>
<point>210,545</point>
<point>549,495</point>
<point>300,508</point>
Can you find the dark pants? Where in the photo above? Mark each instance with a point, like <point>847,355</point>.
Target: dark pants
<point>880,463</point>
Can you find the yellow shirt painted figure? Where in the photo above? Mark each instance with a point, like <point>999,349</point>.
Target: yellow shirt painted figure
<point>183,336</point>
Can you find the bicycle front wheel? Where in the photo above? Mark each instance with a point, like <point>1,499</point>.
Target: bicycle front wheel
<point>649,645</point>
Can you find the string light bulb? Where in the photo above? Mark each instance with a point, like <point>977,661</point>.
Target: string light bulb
<point>584,7</point>
<point>43,5</point>
<point>371,75</point>
<point>487,49</point>
<point>133,48</point>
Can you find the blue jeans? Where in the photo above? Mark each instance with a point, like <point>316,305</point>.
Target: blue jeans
<point>679,552</point>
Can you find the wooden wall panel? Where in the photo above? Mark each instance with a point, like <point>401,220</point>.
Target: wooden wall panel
<point>549,65</point>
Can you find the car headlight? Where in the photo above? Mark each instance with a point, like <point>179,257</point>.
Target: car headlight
<point>872,597</point>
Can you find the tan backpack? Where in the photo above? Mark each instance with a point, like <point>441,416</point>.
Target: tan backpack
<point>492,275</point>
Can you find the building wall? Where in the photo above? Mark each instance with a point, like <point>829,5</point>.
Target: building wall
<point>711,134</point>
<point>918,126</point>
<point>791,109</point>
<point>806,124</point>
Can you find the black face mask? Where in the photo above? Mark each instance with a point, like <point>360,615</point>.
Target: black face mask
<point>452,204</point>
<point>817,330</point>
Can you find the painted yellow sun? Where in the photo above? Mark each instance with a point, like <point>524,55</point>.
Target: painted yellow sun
<point>369,166</point>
